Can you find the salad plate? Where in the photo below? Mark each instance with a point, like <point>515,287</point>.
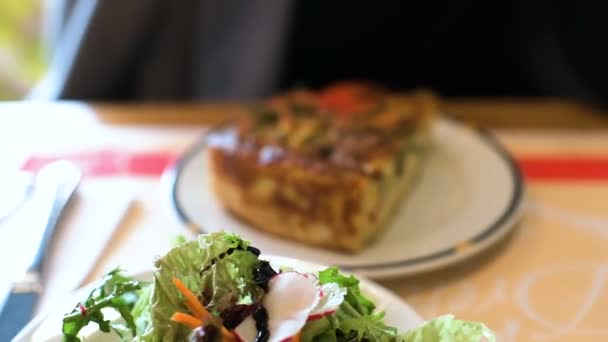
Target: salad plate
<point>299,301</point>
<point>398,313</point>
<point>467,197</point>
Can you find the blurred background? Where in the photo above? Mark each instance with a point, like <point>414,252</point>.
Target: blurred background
<point>22,52</point>
<point>239,49</point>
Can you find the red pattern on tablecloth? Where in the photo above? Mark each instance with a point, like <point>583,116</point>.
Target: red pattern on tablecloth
<point>107,163</point>
<point>564,168</point>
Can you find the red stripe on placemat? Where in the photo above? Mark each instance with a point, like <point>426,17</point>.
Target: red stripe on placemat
<point>150,164</point>
<point>564,168</point>
<point>106,163</point>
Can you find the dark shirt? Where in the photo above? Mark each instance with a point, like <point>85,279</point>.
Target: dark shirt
<point>242,49</point>
<point>457,48</point>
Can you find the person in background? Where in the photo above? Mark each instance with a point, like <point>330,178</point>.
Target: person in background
<point>244,49</point>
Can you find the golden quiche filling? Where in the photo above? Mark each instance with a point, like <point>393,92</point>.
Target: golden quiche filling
<point>324,167</point>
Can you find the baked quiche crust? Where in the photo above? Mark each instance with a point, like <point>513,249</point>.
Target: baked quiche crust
<point>328,168</point>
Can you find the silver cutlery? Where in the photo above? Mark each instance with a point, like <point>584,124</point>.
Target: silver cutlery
<point>16,190</point>
<point>24,243</point>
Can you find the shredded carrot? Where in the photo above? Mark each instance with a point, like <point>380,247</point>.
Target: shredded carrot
<point>227,336</point>
<point>186,319</point>
<point>197,309</point>
<point>192,303</point>
<point>296,338</point>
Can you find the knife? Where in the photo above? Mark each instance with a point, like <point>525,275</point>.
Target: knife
<point>16,190</point>
<point>24,243</point>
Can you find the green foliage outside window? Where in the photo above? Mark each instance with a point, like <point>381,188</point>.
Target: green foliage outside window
<point>22,55</point>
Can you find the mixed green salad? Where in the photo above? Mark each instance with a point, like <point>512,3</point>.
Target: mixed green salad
<point>216,288</point>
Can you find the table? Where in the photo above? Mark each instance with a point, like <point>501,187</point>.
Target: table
<point>547,281</point>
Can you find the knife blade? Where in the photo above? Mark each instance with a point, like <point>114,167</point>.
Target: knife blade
<point>25,242</point>
<point>16,190</point>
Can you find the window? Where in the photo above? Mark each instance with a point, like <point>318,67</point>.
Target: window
<point>22,54</point>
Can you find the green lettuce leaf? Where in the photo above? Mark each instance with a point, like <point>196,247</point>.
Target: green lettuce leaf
<point>353,295</point>
<point>448,329</point>
<point>117,292</point>
<point>217,266</point>
<point>355,319</point>
<point>141,310</point>
<point>370,328</point>
<point>140,316</point>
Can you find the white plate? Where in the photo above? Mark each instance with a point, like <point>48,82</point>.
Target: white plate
<point>47,328</point>
<point>467,197</point>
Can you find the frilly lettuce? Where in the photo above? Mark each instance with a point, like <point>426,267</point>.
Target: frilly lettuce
<point>220,269</point>
<point>217,266</point>
<point>355,319</point>
<point>449,329</point>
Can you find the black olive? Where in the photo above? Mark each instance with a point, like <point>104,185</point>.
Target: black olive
<point>262,274</point>
<point>236,314</point>
<point>261,324</point>
<point>208,333</point>
<point>254,250</point>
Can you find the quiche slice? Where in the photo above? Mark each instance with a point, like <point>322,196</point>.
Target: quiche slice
<point>328,168</point>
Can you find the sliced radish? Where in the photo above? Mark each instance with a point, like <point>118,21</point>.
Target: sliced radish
<point>293,298</point>
<point>308,275</point>
<point>331,296</point>
<point>290,299</point>
<point>246,331</point>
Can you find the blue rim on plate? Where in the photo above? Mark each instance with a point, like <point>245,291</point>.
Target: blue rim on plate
<point>171,179</point>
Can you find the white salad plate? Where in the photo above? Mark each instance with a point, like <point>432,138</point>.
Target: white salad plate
<point>47,327</point>
<point>467,197</point>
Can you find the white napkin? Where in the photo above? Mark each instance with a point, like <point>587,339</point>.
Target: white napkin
<point>87,228</point>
